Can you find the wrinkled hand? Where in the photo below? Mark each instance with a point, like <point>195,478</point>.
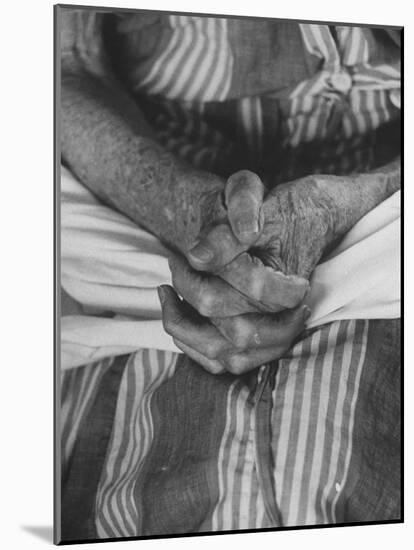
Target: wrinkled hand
<point>231,340</point>
<point>235,344</point>
<point>228,320</point>
<point>271,266</point>
<point>259,262</point>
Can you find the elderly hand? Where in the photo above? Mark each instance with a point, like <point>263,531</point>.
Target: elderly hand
<point>261,260</point>
<point>270,266</point>
<point>299,221</point>
<point>235,344</point>
<point>238,336</point>
<point>244,272</point>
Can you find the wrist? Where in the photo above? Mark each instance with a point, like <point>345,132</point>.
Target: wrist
<point>200,206</point>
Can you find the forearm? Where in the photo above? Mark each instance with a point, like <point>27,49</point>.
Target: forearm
<point>352,197</point>
<point>110,147</point>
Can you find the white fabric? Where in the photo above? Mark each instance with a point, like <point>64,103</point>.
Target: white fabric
<point>361,279</point>
<point>108,264</point>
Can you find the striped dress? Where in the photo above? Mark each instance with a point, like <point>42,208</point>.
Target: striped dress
<point>151,443</point>
<point>280,98</point>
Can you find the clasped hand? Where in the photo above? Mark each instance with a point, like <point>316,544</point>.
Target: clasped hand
<point>237,299</point>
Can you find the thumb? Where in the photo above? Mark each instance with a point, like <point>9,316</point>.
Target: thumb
<point>216,247</point>
<point>244,198</point>
<point>219,245</point>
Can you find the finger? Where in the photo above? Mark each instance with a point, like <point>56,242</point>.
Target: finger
<point>255,330</point>
<point>236,363</point>
<point>215,248</point>
<point>208,294</point>
<point>240,363</point>
<point>211,365</point>
<point>244,197</point>
<point>263,284</point>
<point>193,331</point>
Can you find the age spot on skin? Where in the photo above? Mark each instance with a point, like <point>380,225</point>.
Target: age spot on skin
<point>169,214</point>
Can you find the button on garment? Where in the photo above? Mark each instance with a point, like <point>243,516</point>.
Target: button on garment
<point>341,81</point>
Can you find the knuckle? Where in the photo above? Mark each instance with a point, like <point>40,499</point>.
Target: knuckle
<point>238,333</point>
<point>236,364</point>
<point>216,368</point>
<point>211,350</point>
<point>207,303</point>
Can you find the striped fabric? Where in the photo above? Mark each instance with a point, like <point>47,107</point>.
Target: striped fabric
<point>118,513</point>
<point>314,405</point>
<point>240,504</point>
<point>184,452</point>
<point>250,118</point>
<point>339,107</point>
<point>347,97</point>
<point>279,98</point>
<point>78,390</point>
<point>196,64</point>
<point>182,130</point>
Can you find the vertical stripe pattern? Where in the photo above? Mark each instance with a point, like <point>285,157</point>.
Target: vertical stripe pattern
<point>79,387</point>
<point>240,504</point>
<point>251,119</point>
<point>314,405</point>
<point>312,412</point>
<point>118,514</point>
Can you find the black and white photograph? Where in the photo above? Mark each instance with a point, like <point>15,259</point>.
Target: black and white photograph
<point>228,218</point>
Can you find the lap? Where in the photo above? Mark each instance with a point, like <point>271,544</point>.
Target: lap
<point>308,441</point>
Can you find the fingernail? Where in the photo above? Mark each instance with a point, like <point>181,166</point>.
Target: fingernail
<point>161,294</point>
<point>306,312</point>
<point>201,253</point>
<point>247,226</point>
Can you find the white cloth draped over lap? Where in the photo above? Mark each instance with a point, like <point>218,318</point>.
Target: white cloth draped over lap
<point>109,265</point>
